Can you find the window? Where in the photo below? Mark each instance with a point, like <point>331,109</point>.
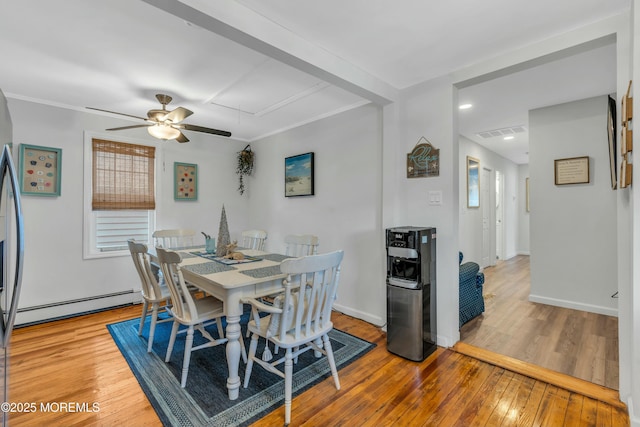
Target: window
<point>119,195</point>
<point>123,176</point>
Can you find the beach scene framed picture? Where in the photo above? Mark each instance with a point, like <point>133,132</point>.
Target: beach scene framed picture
<point>298,175</point>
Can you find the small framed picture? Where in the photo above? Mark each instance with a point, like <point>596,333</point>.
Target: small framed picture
<point>298,175</point>
<point>473,182</point>
<point>574,170</point>
<point>40,170</point>
<point>185,181</point>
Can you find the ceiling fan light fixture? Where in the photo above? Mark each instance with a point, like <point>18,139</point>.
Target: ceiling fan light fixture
<point>162,131</point>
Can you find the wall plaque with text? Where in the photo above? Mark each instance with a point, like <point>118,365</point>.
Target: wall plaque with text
<point>423,160</point>
<point>571,171</point>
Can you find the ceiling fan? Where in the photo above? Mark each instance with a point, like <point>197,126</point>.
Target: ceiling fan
<point>165,124</point>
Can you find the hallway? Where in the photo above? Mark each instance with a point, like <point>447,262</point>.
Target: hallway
<point>577,343</point>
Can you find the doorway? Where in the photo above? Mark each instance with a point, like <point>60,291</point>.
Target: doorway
<point>509,194</point>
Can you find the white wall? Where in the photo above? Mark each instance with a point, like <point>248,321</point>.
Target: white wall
<point>54,268</point>
<point>345,210</point>
<point>428,110</point>
<point>573,227</point>
<point>470,227</point>
<point>6,129</point>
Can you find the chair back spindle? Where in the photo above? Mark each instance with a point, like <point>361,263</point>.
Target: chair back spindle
<point>298,245</point>
<point>183,306</point>
<point>150,288</point>
<point>174,239</point>
<point>254,239</point>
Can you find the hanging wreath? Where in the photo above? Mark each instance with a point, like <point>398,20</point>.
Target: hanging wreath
<point>245,166</point>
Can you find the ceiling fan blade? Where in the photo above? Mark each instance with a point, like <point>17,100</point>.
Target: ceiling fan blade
<point>130,127</point>
<point>177,115</point>
<point>205,130</point>
<point>113,112</point>
<point>182,138</point>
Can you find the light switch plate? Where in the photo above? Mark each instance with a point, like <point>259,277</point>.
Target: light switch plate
<point>435,198</point>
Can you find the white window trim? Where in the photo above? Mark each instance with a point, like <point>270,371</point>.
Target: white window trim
<point>89,227</point>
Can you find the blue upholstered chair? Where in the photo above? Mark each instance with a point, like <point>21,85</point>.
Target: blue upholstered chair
<point>471,299</point>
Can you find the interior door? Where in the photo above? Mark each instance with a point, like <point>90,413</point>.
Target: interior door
<point>486,206</point>
<point>500,216</point>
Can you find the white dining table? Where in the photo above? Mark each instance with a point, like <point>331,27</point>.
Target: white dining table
<point>231,283</point>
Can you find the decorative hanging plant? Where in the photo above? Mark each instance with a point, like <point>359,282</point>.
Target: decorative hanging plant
<point>245,165</point>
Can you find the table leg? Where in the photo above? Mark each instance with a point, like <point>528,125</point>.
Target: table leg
<point>233,355</point>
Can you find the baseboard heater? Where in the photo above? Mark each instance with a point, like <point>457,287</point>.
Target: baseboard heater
<point>62,309</point>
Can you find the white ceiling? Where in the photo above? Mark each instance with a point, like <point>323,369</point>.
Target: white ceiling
<point>503,104</point>
<point>256,68</point>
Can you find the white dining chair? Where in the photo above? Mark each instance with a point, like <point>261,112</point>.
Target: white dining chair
<point>298,245</point>
<point>153,294</point>
<point>299,319</point>
<point>195,313</point>
<point>175,238</point>
<point>254,239</point>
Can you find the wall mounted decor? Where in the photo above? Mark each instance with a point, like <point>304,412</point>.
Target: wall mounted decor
<point>245,165</point>
<point>573,170</point>
<point>626,113</point>
<point>626,139</point>
<point>626,172</point>
<point>473,182</point>
<point>298,175</point>
<point>612,134</point>
<point>40,170</point>
<point>424,160</point>
<point>527,192</point>
<point>185,181</point>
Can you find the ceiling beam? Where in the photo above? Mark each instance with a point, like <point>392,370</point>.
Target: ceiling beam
<point>244,26</point>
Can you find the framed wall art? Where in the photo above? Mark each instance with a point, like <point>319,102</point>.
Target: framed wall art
<point>424,160</point>
<point>574,170</point>
<point>527,194</point>
<point>473,182</point>
<point>185,181</point>
<point>298,175</point>
<point>40,170</point>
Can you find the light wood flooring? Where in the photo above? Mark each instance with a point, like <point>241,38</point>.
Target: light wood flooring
<point>75,360</point>
<point>577,343</point>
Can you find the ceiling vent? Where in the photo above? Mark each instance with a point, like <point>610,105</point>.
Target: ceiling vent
<point>501,132</point>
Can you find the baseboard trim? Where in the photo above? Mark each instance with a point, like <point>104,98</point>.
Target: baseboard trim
<point>574,305</point>
<point>567,382</point>
<point>69,308</point>
<point>633,418</point>
<point>367,317</point>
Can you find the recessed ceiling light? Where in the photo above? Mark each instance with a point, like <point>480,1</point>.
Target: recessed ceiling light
<point>465,106</point>
<point>507,138</point>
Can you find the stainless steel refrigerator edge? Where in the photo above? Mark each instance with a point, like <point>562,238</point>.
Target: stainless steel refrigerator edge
<point>411,291</point>
<point>11,248</point>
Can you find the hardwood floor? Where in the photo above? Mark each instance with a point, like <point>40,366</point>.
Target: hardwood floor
<point>577,343</point>
<point>75,360</point>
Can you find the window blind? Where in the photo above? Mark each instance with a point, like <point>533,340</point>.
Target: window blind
<point>114,228</point>
<point>123,176</point>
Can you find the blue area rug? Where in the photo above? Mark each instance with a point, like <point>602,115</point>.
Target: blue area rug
<point>204,401</point>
